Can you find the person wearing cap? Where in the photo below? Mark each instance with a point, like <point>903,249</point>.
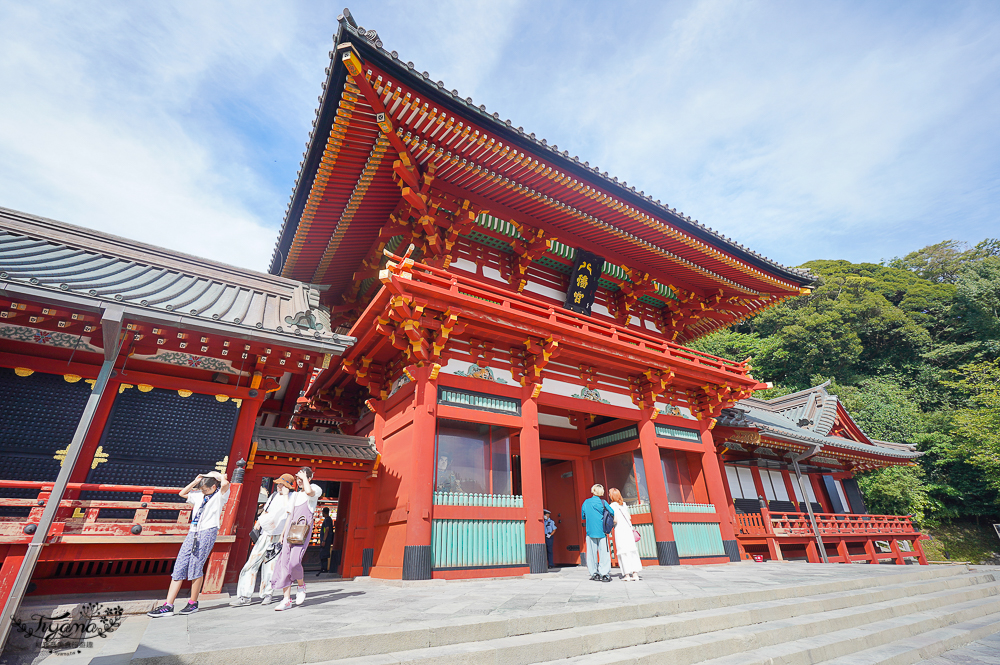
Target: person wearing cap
<point>271,524</point>
<point>550,528</point>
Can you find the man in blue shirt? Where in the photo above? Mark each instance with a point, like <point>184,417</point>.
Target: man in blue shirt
<point>598,556</point>
<point>550,528</point>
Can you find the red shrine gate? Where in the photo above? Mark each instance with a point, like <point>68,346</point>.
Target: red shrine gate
<point>528,343</point>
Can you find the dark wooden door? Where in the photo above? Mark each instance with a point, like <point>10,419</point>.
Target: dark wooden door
<point>560,495</point>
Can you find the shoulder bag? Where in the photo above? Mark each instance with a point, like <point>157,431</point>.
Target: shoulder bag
<point>298,533</point>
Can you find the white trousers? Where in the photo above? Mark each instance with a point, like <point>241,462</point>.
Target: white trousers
<point>248,576</point>
<point>598,564</point>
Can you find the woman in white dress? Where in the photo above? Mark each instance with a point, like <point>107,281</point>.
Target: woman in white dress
<point>625,544</point>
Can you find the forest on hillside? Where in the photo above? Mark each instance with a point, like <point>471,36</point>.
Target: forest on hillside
<point>911,346</point>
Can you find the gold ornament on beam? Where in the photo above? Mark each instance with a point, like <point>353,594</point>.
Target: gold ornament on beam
<point>72,378</point>
<point>220,466</point>
<point>100,457</point>
<point>23,371</point>
<point>184,393</point>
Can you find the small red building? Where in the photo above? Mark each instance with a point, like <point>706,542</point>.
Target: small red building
<point>155,366</point>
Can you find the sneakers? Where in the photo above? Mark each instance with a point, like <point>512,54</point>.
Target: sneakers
<point>267,599</point>
<point>300,595</point>
<point>190,608</point>
<point>595,578</point>
<point>606,578</point>
<point>239,602</point>
<point>161,611</point>
<point>284,605</point>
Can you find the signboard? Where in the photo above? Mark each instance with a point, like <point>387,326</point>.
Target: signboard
<point>997,527</point>
<point>583,282</point>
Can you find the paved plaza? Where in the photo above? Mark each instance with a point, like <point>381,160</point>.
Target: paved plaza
<point>337,608</point>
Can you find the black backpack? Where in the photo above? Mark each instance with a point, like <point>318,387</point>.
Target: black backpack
<point>609,520</point>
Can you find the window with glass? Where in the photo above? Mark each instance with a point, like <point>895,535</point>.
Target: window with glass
<point>472,458</point>
<point>683,477</point>
<point>626,473</point>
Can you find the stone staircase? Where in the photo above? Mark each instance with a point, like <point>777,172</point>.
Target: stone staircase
<point>886,619</point>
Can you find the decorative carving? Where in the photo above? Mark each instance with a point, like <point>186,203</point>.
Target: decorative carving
<point>592,395</point>
<point>477,372</point>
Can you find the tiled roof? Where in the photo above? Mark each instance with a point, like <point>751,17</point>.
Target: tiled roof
<point>68,259</point>
<point>802,417</point>
<point>349,29</point>
<point>303,443</point>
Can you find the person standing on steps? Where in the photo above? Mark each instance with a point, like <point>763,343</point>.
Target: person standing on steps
<point>301,509</point>
<point>598,557</point>
<point>550,528</point>
<point>271,524</point>
<point>325,542</point>
<point>626,545</point>
<point>208,493</point>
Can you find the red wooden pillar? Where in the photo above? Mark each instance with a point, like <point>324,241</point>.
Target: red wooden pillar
<point>215,569</point>
<point>9,570</point>
<point>420,484</point>
<point>820,492</point>
<point>94,434</point>
<point>659,503</point>
<point>758,483</point>
<point>90,443</point>
<point>845,555</point>
<point>583,475</point>
<point>718,493</point>
<point>531,483</point>
<point>870,551</point>
<point>921,557</point>
<point>245,503</point>
<point>812,552</point>
<point>897,552</point>
<point>791,487</point>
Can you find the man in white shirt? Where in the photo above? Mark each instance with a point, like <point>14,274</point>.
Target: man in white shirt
<point>209,500</point>
<point>262,557</point>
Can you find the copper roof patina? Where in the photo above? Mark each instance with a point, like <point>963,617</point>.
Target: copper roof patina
<point>344,189</point>
<point>303,443</point>
<point>71,262</point>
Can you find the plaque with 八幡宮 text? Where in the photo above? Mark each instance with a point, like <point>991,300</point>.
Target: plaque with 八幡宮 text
<point>583,282</point>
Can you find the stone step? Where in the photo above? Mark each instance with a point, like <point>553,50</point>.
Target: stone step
<point>839,644</point>
<point>312,647</point>
<point>598,639</point>
<point>926,645</point>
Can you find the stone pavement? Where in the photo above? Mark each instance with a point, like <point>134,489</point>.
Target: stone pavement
<point>361,606</point>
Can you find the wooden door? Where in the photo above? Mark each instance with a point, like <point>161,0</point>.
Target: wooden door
<point>560,495</point>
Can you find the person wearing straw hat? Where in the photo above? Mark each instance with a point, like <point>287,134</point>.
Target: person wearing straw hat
<point>268,527</point>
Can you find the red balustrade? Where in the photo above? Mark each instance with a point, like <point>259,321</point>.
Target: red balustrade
<point>78,517</point>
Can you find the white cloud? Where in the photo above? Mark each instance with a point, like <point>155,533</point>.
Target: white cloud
<point>804,131</point>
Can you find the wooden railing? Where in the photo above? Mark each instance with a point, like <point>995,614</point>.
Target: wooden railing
<point>420,276</point>
<point>91,525</point>
<point>779,524</point>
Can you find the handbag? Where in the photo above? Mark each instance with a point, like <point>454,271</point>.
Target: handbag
<point>638,536</point>
<point>298,532</point>
<point>255,535</point>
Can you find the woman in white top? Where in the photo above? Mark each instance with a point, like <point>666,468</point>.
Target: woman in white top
<point>271,524</point>
<point>301,507</point>
<point>626,546</point>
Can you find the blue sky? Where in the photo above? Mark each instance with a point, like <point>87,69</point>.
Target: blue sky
<point>803,130</point>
